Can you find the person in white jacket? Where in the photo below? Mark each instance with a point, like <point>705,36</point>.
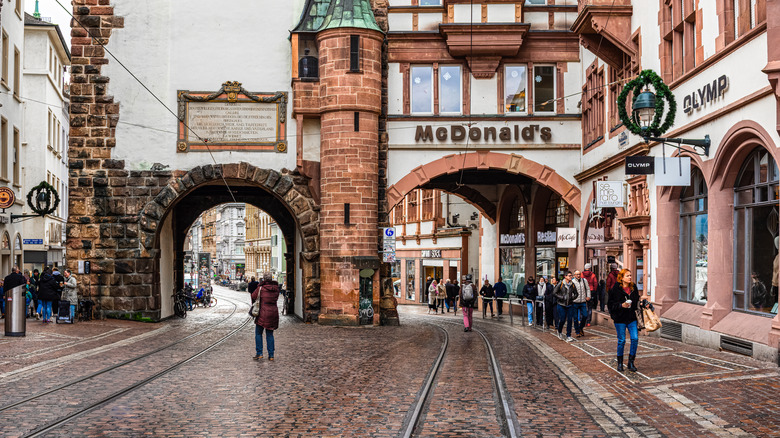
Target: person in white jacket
<point>70,292</point>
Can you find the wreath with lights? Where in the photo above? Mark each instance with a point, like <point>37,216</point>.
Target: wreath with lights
<point>48,207</point>
<point>662,93</point>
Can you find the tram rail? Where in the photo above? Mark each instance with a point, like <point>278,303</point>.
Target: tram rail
<point>91,406</point>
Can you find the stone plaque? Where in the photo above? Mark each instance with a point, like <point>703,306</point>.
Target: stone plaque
<point>232,119</point>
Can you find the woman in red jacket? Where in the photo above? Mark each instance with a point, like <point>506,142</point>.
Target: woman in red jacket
<point>268,318</point>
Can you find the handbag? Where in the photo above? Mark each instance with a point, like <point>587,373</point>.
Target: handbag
<point>652,322</point>
<point>640,320</point>
<point>254,311</point>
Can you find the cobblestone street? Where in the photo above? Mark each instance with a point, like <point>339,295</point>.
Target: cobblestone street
<point>330,381</point>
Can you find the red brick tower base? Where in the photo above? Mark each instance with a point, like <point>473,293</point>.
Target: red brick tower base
<point>351,104</point>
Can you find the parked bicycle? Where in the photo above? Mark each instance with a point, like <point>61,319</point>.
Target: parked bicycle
<point>180,304</point>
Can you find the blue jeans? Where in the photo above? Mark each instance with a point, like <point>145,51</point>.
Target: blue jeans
<point>580,314</point>
<point>269,338</point>
<point>565,314</point>
<point>46,314</point>
<point>621,334</point>
<point>530,306</point>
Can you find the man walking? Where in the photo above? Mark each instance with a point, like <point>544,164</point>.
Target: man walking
<point>593,284</point>
<point>565,292</point>
<point>487,298</point>
<point>545,293</point>
<point>499,290</point>
<point>452,294</point>
<point>580,304</point>
<point>529,293</point>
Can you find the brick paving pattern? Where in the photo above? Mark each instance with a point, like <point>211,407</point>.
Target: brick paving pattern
<point>329,381</point>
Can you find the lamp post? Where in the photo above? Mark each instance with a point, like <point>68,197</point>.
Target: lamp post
<point>648,110</point>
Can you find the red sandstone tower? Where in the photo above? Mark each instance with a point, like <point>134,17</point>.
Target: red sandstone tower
<point>338,79</point>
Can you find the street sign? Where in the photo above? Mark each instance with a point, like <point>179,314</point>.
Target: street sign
<point>32,241</point>
<point>388,245</point>
<point>640,165</point>
<point>7,197</point>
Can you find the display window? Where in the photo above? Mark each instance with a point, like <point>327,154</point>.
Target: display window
<point>756,237</point>
<point>410,277</point>
<point>694,240</point>
<point>513,268</point>
<point>546,262</point>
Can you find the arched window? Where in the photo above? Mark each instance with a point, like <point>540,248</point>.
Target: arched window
<point>756,234</point>
<point>517,218</point>
<point>693,240</point>
<point>557,211</point>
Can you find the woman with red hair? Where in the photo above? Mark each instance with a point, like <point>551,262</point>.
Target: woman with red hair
<point>623,301</point>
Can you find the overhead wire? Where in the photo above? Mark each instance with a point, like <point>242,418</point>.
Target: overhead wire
<point>99,41</point>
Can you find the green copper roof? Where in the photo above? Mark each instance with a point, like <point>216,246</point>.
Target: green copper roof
<point>331,14</point>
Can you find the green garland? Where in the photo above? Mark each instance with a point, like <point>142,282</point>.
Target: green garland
<point>47,208</point>
<point>662,93</point>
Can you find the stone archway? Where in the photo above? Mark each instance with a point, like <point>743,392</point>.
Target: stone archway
<point>290,190</point>
<point>485,160</point>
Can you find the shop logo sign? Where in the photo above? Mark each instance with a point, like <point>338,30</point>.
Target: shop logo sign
<point>430,253</point>
<point>609,194</point>
<point>512,239</point>
<point>595,235</point>
<point>567,238</point>
<point>545,237</point>
<point>706,94</point>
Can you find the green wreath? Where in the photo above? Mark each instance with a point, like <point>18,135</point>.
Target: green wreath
<point>662,93</point>
<point>47,208</point>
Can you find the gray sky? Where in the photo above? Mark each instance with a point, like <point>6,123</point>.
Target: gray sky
<point>50,8</point>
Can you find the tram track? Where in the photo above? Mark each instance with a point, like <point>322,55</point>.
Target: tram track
<point>91,406</point>
<point>416,420</point>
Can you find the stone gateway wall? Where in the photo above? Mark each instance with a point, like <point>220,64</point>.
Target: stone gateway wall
<point>114,213</point>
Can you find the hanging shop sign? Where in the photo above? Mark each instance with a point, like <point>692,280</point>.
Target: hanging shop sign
<point>595,235</point>
<point>672,171</point>
<point>640,165</point>
<point>707,94</point>
<point>567,238</point>
<point>506,134</point>
<point>609,194</point>
<point>430,253</point>
<point>512,239</point>
<point>545,237</point>
<point>7,197</point>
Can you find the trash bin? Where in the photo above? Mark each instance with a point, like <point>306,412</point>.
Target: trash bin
<point>15,311</point>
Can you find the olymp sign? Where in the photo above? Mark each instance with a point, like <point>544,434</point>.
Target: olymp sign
<point>706,94</point>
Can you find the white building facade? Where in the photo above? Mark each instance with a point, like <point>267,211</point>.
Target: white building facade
<point>230,239</point>
<point>44,154</point>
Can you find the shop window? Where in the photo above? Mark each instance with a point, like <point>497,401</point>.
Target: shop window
<point>517,218</point>
<point>412,206</point>
<point>410,277</point>
<point>450,89</point>
<point>756,234</point>
<point>694,240</point>
<point>422,89</point>
<point>557,211</point>
<point>513,268</point>
<point>593,105</point>
<point>428,205</point>
<point>515,83</point>
<point>430,2</point>
<point>544,88</point>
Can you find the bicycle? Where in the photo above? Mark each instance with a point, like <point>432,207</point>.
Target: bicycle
<point>180,304</point>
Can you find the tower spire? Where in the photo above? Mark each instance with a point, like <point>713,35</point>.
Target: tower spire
<point>36,14</point>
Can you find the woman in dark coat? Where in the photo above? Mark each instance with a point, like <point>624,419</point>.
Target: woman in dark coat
<point>268,318</point>
<point>47,294</point>
<point>623,301</point>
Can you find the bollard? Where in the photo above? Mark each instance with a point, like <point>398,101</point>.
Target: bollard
<point>15,311</point>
